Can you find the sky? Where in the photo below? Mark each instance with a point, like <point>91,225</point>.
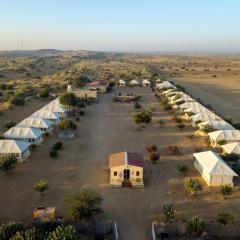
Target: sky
<point>121,25</point>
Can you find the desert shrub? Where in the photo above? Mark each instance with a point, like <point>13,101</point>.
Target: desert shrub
<point>183,168</point>
<point>68,99</point>
<point>207,142</point>
<point>58,146</point>
<point>169,212</point>
<point>67,124</point>
<point>44,92</point>
<point>9,124</point>
<point>8,230</point>
<point>151,148</point>
<point>137,105</point>
<point>53,153</point>
<point>228,119</point>
<point>190,113</point>
<point>64,233</point>
<point>41,185</point>
<point>226,190</point>
<point>179,102</point>
<point>208,129</point>
<point>142,117</point>
<point>195,226</point>
<point>7,163</point>
<point>150,109</point>
<point>181,126</point>
<point>173,149</point>
<point>225,218</point>
<point>17,100</point>
<point>85,204</point>
<point>192,186</point>
<point>81,105</point>
<point>163,103</point>
<point>154,156</point>
<point>221,142</point>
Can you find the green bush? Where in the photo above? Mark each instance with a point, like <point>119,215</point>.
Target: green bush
<point>183,168</point>
<point>44,92</point>
<point>226,190</point>
<point>169,212</point>
<point>7,163</point>
<point>195,226</point>
<point>64,233</point>
<point>192,186</point>
<point>142,117</point>
<point>137,105</point>
<point>8,230</point>
<point>17,100</point>
<point>85,204</point>
<point>67,124</point>
<point>221,142</point>
<point>225,218</point>
<point>41,185</point>
<point>58,146</point>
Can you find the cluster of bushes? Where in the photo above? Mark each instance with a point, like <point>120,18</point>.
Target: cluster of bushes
<point>38,231</point>
<point>53,153</point>
<point>142,117</point>
<point>153,152</point>
<point>7,163</point>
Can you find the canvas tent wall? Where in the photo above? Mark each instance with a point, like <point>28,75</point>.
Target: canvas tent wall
<point>19,148</point>
<point>146,83</point>
<point>55,107</point>
<point>39,123</point>
<point>25,134</point>
<point>121,83</point>
<point>213,169</point>
<point>232,148</point>
<point>218,125</point>
<point>134,83</point>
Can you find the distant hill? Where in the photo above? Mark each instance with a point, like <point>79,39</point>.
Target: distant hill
<point>28,53</point>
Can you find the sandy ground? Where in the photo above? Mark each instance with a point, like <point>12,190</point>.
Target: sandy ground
<point>106,128</point>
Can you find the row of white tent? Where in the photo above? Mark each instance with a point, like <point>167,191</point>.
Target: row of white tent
<point>144,82</point>
<point>30,130</point>
<point>210,165</point>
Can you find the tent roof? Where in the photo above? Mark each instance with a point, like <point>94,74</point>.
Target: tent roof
<point>121,81</point>
<point>232,148</point>
<point>46,114</point>
<point>165,84</point>
<point>13,146</point>
<point>35,122</point>
<point>220,125</point>
<point>23,132</point>
<point>134,81</point>
<point>213,164</point>
<point>229,135</point>
<point>125,158</point>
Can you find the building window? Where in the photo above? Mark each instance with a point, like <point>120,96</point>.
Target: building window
<point>115,173</point>
<point>137,173</point>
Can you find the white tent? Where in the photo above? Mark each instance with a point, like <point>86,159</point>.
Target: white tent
<point>146,83</point>
<point>227,135</point>
<point>134,83</point>
<point>232,148</point>
<point>43,124</point>
<point>55,107</point>
<point>165,84</point>
<point>218,125</point>
<point>18,148</point>
<point>188,105</point>
<point>213,169</point>
<point>122,83</point>
<point>183,98</point>
<point>55,117</point>
<point>26,134</point>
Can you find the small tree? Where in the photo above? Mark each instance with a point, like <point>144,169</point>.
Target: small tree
<point>169,212</point>
<point>85,204</point>
<point>7,163</point>
<point>41,186</point>
<point>8,230</point>
<point>67,124</point>
<point>142,117</point>
<point>225,218</point>
<point>68,99</point>
<point>192,186</point>
<point>226,190</point>
<point>53,153</point>
<point>195,226</point>
<point>44,92</point>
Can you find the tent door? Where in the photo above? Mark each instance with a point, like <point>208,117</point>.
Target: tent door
<point>126,174</point>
